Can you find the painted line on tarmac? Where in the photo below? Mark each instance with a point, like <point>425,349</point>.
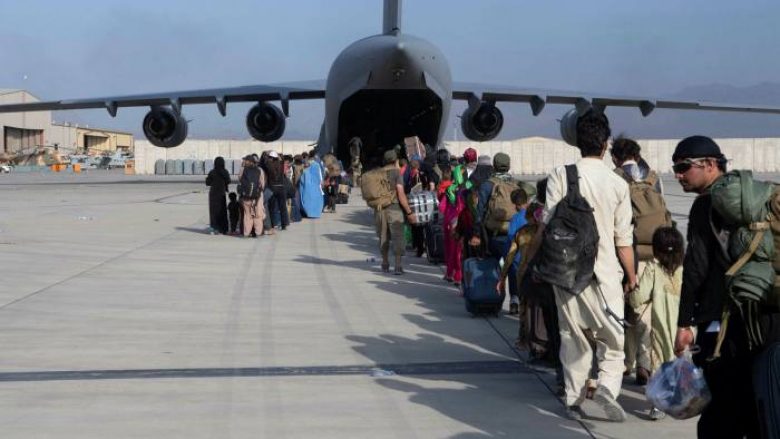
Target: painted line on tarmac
<point>379,370</point>
<point>537,373</point>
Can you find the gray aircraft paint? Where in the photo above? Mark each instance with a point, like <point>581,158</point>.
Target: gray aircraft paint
<point>393,61</point>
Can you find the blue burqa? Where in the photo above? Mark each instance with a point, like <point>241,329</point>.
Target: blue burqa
<point>312,196</point>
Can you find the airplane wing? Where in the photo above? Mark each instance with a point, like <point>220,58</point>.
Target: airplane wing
<point>538,98</point>
<point>218,96</point>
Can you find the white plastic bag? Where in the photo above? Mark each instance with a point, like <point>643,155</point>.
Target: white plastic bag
<point>678,388</point>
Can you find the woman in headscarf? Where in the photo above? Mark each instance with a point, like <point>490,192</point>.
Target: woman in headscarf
<point>311,190</point>
<point>218,181</point>
<point>452,204</point>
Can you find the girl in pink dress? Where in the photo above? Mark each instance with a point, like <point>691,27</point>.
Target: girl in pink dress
<point>452,204</point>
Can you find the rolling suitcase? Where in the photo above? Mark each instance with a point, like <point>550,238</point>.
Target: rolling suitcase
<point>766,385</point>
<point>434,243</point>
<point>480,277</point>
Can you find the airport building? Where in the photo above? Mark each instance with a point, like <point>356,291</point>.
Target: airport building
<point>82,139</point>
<point>22,133</point>
<point>531,155</point>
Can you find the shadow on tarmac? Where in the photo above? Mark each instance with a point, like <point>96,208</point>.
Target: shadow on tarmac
<point>422,283</point>
<point>512,397</point>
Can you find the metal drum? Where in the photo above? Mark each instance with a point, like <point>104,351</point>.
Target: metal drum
<point>425,207</point>
<point>199,168</point>
<point>170,167</point>
<point>236,166</point>
<point>159,167</point>
<point>188,166</point>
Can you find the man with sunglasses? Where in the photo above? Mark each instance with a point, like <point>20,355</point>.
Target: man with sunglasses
<point>698,163</point>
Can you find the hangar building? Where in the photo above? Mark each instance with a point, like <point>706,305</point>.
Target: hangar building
<point>24,132</point>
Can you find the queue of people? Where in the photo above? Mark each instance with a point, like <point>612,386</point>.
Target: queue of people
<point>596,270</point>
<point>273,191</point>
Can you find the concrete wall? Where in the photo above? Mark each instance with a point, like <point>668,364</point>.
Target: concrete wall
<point>534,155</point>
<point>146,153</point>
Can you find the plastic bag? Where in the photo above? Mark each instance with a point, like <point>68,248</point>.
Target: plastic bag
<point>678,388</point>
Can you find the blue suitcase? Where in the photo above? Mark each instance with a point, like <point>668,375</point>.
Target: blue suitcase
<point>480,276</point>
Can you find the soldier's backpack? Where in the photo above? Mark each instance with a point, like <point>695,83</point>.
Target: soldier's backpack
<point>377,189</point>
<point>649,212</point>
<point>749,210</point>
<point>500,208</point>
<point>249,186</point>
<point>570,241</point>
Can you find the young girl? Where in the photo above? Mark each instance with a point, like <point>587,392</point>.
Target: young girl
<point>452,202</point>
<point>520,241</point>
<point>659,290</point>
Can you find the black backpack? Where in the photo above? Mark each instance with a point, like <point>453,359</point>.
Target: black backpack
<point>570,241</point>
<point>249,185</point>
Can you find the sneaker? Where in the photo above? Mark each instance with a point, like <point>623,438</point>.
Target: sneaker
<point>514,309</point>
<point>656,415</point>
<point>611,407</point>
<point>574,412</point>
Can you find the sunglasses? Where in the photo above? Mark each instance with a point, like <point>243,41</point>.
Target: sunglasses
<point>685,165</point>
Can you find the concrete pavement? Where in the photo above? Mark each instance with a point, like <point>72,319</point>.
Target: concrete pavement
<point>120,317</point>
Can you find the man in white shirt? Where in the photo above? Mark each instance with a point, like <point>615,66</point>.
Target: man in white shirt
<point>595,315</point>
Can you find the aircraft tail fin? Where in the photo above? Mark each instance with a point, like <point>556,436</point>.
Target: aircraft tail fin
<point>391,18</point>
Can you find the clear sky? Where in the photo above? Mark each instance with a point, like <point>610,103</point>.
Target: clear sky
<point>88,48</point>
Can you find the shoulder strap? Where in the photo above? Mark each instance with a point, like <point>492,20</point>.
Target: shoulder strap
<point>652,178</point>
<point>572,180</point>
<point>619,171</point>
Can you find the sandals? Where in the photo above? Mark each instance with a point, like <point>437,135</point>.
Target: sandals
<point>399,271</point>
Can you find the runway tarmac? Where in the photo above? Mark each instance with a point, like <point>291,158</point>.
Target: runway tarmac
<point>120,317</point>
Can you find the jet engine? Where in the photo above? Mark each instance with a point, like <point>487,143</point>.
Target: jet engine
<point>265,122</point>
<point>569,127</point>
<point>481,123</point>
<point>164,128</point>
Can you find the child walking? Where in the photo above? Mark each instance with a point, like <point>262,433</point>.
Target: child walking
<point>519,245</point>
<point>234,213</point>
<point>658,292</point>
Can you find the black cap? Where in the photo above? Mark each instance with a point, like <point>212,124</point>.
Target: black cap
<point>696,147</point>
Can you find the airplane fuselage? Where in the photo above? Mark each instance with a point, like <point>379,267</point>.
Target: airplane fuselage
<point>384,88</point>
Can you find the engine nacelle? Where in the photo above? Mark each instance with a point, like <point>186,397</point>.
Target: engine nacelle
<point>164,128</point>
<point>482,123</point>
<point>569,127</point>
<point>265,122</point>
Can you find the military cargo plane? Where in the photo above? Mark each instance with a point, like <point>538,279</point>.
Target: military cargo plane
<point>380,89</point>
